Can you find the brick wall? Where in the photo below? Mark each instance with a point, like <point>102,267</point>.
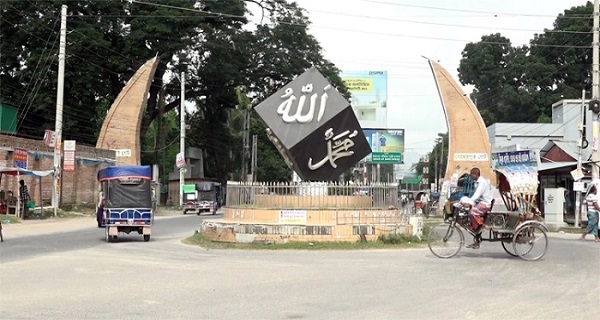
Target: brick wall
<point>79,187</point>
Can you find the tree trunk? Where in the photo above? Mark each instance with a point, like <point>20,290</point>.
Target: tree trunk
<point>159,138</point>
<point>151,108</point>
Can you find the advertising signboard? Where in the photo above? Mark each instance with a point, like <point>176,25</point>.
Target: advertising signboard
<point>387,146</point>
<point>292,216</point>
<point>180,160</point>
<point>369,96</point>
<point>20,156</point>
<point>49,138</point>
<point>69,160</point>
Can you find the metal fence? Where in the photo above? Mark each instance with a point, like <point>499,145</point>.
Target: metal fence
<point>311,195</point>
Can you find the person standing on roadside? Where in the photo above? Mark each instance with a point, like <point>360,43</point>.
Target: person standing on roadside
<point>24,197</point>
<point>593,209</point>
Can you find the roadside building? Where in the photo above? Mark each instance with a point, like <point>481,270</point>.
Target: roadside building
<point>555,143</point>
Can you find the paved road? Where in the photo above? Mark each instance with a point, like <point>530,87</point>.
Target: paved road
<point>164,279</point>
<point>86,235</point>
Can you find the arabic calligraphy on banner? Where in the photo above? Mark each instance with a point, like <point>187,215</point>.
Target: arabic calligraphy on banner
<point>336,148</point>
<point>284,108</point>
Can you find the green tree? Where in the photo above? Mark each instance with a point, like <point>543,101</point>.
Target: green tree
<point>434,156</point>
<point>109,40</point>
<point>519,84</point>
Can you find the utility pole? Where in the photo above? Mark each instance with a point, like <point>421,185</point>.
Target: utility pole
<point>60,89</point>
<point>254,156</point>
<point>441,178</point>
<point>580,145</point>
<point>595,88</point>
<point>182,139</point>
<point>435,157</point>
<point>246,145</point>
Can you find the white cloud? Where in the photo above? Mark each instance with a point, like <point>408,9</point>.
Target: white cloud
<point>365,35</point>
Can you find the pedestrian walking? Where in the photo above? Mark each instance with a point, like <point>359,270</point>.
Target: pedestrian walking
<point>593,209</point>
<point>24,197</point>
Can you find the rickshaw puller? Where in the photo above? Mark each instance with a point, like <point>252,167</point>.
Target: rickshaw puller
<point>480,203</point>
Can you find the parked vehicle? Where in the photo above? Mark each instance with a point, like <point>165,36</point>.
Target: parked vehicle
<point>127,192</point>
<point>205,196</point>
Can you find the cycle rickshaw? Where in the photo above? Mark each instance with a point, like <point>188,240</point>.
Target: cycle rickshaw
<point>520,230</point>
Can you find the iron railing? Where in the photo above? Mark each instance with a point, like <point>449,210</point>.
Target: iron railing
<point>312,195</point>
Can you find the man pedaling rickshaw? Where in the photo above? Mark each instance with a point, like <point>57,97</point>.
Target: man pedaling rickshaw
<point>480,204</point>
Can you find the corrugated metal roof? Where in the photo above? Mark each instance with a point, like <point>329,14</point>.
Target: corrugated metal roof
<point>544,166</point>
<point>528,129</point>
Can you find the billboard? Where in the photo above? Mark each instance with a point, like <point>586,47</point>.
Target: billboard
<point>20,157</point>
<point>369,96</point>
<point>387,145</point>
<point>69,159</point>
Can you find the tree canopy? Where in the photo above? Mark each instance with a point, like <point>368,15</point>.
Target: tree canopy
<point>213,42</point>
<point>520,83</point>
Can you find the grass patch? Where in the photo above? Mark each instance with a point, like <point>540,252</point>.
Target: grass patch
<point>392,242</point>
<point>6,219</point>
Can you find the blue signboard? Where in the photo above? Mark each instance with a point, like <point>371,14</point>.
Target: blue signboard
<point>513,158</point>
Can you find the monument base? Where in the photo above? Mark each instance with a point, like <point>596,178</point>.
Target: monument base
<point>235,232</point>
<point>279,213</point>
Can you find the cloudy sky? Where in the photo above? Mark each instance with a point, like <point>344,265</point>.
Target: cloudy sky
<point>393,35</point>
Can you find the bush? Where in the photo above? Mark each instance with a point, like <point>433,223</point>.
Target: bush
<point>398,238</point>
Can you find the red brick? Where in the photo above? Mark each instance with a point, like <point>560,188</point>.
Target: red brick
<point>78,188</point>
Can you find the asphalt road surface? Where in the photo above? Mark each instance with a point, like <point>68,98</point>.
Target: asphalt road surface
<point>76,275</point>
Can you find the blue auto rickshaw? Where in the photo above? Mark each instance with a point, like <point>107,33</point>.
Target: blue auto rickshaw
<point>127,192</point>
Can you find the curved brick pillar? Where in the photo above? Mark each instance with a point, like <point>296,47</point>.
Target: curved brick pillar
<point>121,127</point>
<point>469,142</point>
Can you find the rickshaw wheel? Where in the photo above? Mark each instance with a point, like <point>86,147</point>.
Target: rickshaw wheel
<point>445,240</point>
<point>530,237</point>
<point>508,247</point>
<point>106,236</point>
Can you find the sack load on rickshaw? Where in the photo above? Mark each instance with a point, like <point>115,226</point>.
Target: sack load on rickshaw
<point>520,229</point>
<point>127,203</point>
<point>460,186</point>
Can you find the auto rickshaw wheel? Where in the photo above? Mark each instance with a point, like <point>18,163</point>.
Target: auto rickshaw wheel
<point>146,237</point>
<point>106,236</point>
